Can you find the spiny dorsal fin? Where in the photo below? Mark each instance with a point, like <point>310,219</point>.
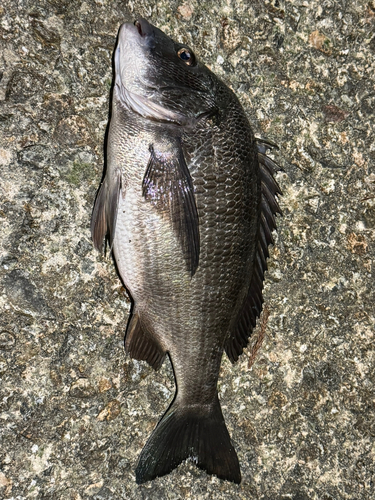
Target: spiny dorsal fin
<point>168,186</point>
<point>252,305</point>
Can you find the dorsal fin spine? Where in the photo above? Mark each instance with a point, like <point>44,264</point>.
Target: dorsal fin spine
<point>253,302</point>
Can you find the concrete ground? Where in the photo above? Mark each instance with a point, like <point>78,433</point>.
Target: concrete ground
<point>75,411</point>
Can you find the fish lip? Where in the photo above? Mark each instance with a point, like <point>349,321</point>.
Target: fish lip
<point>144,27</point>
<point>142,33</point>
<point>140,30</point>
<point>138,25</point>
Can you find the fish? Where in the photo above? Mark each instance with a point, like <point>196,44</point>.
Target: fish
<point>187,206</point>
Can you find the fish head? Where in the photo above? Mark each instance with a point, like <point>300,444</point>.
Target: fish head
<point>160,79</point>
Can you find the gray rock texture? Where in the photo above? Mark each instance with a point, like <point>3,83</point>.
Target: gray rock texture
<point>75,411</point>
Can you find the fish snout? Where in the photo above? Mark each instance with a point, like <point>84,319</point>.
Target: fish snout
<point>144,27</point>
<point>140,33</point>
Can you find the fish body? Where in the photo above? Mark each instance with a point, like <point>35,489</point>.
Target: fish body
<point>188,204</point>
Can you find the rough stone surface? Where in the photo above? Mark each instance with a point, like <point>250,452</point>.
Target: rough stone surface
<point>75,411</point>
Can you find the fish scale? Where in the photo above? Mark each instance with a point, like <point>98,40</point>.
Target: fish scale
<point>188,204</point>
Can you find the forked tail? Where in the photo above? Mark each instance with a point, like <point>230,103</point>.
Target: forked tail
<point>186,432</point>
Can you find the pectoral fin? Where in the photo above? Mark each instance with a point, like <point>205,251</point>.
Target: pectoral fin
<point>168,186</point>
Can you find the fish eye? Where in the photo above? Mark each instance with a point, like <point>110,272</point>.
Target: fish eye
<point>186,55</point>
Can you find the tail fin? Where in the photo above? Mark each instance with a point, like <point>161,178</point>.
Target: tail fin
<point>183,433</point>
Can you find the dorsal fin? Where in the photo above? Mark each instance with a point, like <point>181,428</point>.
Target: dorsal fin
<point>253,302</point>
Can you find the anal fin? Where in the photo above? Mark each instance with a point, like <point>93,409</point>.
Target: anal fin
<point>142,345</point>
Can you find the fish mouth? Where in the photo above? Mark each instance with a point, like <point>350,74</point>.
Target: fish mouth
<point>144,27</point>
<point>140,30</point>
<point>143,34</point>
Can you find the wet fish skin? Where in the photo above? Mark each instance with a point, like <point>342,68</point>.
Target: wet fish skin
<point>188,204</point>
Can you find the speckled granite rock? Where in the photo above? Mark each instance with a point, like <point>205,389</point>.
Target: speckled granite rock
<point>75,411</point>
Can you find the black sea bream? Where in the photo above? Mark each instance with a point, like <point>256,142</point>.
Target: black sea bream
<point>188,205</point>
